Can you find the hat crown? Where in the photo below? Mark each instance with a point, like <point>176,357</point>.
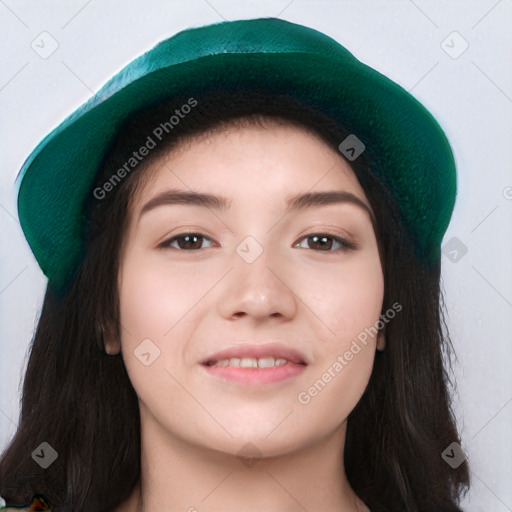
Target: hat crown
<point>261,35</point>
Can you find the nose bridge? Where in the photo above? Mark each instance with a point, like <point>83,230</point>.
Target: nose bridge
<point>258,285</point>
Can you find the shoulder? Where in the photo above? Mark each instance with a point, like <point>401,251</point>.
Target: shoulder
<point>28,508</point>
<point>38,503</point>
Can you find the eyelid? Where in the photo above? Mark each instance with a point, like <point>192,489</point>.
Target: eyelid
<point>332,231</point>
<point>182,230</point>
<point>346,243</point>
<point>165,244</point>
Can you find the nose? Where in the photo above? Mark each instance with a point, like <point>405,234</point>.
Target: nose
<point>259,290</point>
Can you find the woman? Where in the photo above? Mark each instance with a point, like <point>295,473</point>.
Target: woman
<point>241,233</point>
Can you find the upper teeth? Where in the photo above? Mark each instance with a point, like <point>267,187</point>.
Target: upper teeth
<point>252,362</point>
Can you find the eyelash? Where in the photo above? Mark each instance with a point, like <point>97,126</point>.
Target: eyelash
<point>345,245</point>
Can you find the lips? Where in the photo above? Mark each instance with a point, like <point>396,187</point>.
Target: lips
<point>255,365</point>
<point>261,353</point>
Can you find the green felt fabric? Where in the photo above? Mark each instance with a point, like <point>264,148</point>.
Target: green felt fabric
<point>405,144</point>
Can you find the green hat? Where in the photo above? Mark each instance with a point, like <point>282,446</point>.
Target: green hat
<point>403,142</point>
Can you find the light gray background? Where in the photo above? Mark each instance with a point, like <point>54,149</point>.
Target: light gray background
<point>470,95</point>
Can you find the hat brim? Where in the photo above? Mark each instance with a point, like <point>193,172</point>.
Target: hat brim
<point>404,143</point>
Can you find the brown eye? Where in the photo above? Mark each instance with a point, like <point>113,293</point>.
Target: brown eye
<point>324,242</point>
<point>186,241</point>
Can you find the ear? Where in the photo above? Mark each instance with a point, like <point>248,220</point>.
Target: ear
<point>381,341</point>
<point>111,343</point>
<point>112,347</point>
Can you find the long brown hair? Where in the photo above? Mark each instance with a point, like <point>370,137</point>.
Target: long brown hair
<point>80,400</point>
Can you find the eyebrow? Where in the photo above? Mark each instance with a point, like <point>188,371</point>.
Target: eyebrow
<point>221,203</point>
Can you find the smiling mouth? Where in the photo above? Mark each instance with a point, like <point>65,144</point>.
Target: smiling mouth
<point>253,371</point>
<point>251,362</point>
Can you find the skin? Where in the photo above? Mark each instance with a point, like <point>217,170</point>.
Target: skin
<point>193,303</point>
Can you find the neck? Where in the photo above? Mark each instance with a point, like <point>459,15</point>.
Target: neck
<point>179,476</point>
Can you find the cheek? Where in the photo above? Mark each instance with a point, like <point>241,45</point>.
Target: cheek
<point>153,299</point>
<point>153,307</point>
<point>160,302</point>
<point>142,304</point>
<point>346,299</point>
<point>150,306</point>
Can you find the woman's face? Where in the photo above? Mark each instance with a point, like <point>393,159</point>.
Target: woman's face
<point>255,269</point>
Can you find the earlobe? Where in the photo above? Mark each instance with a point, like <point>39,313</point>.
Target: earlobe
<point>112,348</point>
<point>381,341</point>
<point>111,345</point>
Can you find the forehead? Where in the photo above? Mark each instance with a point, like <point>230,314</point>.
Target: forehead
<point>251,162</point>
